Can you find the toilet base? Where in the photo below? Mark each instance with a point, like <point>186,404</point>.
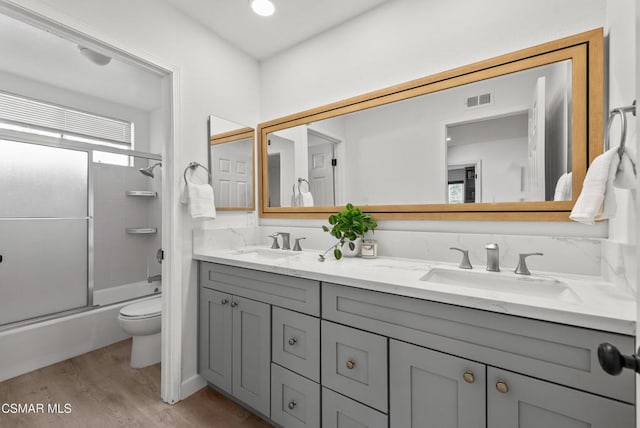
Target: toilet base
<point>145,350</point>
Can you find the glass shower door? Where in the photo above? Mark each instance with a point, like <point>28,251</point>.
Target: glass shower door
<point>44,224</point>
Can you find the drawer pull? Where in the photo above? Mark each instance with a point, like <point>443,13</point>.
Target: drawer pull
<point>292,341</point>
<point>469,377</point>
<point>291,404</point>
<point>224,301</point>
<point>234,304</point>
<point>351,364</point>
<point>502,386</point>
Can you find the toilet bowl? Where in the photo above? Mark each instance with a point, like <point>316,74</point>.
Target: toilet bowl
<point>142,321</point>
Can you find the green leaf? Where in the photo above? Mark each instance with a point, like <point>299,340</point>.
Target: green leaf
<point>325,228</point>
<point>333,219</point>
<point>349,206</point>
<point>352,246</point>
<point>337,254</point>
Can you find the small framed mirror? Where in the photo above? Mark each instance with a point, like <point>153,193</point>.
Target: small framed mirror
<point>231,162</point>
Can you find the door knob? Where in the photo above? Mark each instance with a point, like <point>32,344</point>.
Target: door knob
<point>234,304</point>
<point>612,361</point>
<point>291,404</point>
<point>292,341</point>
<point>502,386</point>
<point>224,301</point>
<point>351,364</point>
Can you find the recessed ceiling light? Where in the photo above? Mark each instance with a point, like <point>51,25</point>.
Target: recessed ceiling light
<point>448,138</point>
<point>263,7</point>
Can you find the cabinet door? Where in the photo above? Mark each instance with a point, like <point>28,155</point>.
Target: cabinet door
<point>516,401</point>
<point>430,389</point>
<point>339,411</point>
<point>215,338</point>
<point>251,353</point>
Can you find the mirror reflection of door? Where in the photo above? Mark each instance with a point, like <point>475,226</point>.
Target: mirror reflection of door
<point>535,186</point>
<point>489,155</point>
<point>322,168</point>
<point>274,180</point>
<point>232,178</point>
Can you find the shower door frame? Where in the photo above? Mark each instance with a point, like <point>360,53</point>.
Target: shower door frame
<point>61,143</point>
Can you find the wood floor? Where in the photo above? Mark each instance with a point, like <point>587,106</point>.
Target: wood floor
<point>104,391</point>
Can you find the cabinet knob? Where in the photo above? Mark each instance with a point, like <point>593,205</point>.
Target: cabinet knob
<point>612,361</point>
<point>351,364</point>
<point>469,377</point>
<point>502,386</point>
<point>234,304</point>
<point>292,341</point>
<point>224,301</point>
<point>291,404</point>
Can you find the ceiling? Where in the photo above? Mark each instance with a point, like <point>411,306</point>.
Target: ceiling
<point>261,37</point>
<point>35,54</point>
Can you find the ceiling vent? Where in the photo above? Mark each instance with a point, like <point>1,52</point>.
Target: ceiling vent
<point>479,100</point>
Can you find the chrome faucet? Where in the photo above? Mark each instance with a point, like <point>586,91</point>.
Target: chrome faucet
<point>154,278</point>
<point>464,263</point>
<point>493,257</point>
<point>522,268</point>
<point>285,240</point>
<point>274,244</point>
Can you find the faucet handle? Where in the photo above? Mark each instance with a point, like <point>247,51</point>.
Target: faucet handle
<point>296,246</point>
<point>274,245</point>
<point>522,268</point>
<point>464,263</point>
<point>491,246</point>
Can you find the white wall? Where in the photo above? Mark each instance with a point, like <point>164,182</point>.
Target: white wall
<point>407,39</point>
<point>215,79</point>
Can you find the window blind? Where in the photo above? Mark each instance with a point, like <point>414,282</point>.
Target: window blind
<point>38,114</point>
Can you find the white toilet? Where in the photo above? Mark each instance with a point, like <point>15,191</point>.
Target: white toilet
<point>142,321</point>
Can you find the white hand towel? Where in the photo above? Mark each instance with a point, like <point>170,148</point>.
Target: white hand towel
<point>597,200</point>
<point>306,199</point>
<point>564,187</point>
<point>626,173</point>
<point>201,202</point>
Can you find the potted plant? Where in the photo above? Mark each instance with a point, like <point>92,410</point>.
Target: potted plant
<point>348,226</point>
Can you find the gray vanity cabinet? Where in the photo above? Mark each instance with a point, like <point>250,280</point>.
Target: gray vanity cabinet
<point>235,344</point>
<point>429,389</point>
<point>516,401</point>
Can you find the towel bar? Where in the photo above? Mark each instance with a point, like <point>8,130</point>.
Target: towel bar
<point>192,166</point>
<point>620,111</point>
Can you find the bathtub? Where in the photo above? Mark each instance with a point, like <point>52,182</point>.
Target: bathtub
<point>33,346</point>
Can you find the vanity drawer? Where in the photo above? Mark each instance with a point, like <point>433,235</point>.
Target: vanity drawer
<point>559,353</point>
<point>296,342</point>
<point>295,401</point>
<point>299,294</point>
<point>339,411</point>
<point>354,363</point>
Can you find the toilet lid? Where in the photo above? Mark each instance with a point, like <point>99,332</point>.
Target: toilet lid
<point>142,309</point>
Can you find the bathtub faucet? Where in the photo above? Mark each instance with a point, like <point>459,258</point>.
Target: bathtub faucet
<point>154,278</point>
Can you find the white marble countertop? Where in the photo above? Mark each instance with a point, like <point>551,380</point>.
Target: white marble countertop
<point>586,301</point>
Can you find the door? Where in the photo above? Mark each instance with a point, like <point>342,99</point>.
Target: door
<point>251,353</point>
<point>516,401</point>
<point>322,172</point>
<point>232,179</point>
<point>430,389</point>
<point>536,144</point>
<point>215,338</point>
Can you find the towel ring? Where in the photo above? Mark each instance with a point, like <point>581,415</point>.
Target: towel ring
<point>192,166</point>
<point>620,111</point>
<point>300,180</point>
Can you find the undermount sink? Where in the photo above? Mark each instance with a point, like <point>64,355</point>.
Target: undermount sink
<point>503,282</point>
<point>265,253</point>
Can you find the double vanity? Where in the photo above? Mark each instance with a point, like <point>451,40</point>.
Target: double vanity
<point>407,343</point>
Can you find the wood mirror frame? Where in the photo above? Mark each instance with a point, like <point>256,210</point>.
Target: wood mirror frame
<point>585,50</point>
<point>228,137</point>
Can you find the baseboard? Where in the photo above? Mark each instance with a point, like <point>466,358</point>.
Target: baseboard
<point>191,385</point>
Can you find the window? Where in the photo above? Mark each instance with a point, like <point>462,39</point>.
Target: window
<point>37,117</point>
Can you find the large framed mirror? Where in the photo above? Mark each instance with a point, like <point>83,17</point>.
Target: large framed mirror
<point>509,138</point>
<point>231,162</point>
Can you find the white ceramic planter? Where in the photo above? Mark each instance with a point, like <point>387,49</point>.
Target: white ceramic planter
<point>348,252</point>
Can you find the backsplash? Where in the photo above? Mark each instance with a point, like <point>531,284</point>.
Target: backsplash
<point>572,255</point>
